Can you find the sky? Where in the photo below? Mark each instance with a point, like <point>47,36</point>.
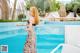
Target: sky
<point>22,1</point>
<point>58,0</point>
<point>64,1</point>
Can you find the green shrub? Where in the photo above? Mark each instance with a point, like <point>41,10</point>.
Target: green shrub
<point>9,21</point>
<point>21,16</point>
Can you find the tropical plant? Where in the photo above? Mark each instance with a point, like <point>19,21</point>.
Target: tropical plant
<point>76,0</point>
<point>28,4</point>
<point>21,16</point>
<point>77,6</point>
<point>73,6</point>
<point>54,5</point>
<point>43,5</point>
<point>38,3</point>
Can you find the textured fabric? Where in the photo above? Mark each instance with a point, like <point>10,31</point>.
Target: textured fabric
<point>30,42</point>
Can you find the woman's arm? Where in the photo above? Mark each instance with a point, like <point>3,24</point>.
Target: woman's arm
<point>21,25</point>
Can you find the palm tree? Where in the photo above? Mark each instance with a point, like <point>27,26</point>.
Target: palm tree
<point>54,5</point>
<point>62,11</point>
<point>73,6</point>
<point>5,9</point>
<point>14,9</point>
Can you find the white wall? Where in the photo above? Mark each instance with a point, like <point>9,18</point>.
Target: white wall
<point>72,34</point>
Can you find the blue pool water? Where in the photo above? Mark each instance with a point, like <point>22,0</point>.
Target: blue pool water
<point>49,35</point>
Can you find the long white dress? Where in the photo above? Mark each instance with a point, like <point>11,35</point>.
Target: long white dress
<point>30,45</point>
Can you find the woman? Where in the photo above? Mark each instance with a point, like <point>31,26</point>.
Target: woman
<point>31,40</point>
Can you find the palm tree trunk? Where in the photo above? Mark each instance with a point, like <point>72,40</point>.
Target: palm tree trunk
<point>4,9</point>
<point>14,9</point>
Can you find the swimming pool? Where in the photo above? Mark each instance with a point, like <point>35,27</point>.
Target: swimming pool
<point>49,35</point>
